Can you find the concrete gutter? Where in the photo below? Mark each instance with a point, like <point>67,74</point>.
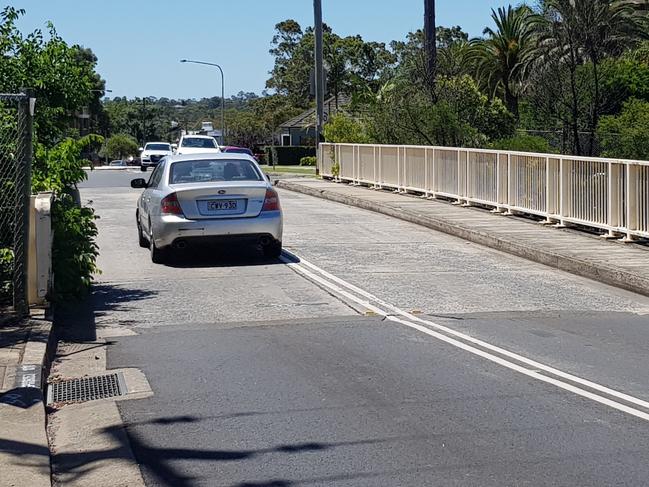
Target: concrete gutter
<point>597,270</point>
<point>24,449</point>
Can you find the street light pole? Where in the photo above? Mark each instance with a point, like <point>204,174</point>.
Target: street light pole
<point>319,71</point>
<point>222,92</point>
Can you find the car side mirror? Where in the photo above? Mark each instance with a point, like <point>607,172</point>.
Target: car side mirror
<point>138,183</point>
<point>140,149</point>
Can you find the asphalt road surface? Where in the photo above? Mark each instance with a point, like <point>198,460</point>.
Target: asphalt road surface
<point>472,367</point>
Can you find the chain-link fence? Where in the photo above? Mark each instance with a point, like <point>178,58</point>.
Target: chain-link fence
<point>16,114</point>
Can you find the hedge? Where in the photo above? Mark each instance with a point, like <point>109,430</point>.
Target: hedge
<point>309,161</point>
<point>280,155</point>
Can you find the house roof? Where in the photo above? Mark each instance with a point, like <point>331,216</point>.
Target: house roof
<point>306,119</point>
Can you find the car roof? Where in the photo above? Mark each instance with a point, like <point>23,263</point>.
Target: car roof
<point>209,156</point>
<point>160,142</point>
<point>198,136</point>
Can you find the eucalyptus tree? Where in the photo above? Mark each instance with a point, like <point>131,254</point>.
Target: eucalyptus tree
<point>573,38</point>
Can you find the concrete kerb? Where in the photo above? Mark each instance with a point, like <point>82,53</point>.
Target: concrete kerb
<point>109,168</point>
<point>24,448</point>
<point>592,270</point>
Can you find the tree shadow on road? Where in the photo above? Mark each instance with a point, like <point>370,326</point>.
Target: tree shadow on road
<point>76,322</point>
<point>160,463</point>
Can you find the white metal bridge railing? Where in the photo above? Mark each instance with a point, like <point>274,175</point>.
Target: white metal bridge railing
<point>608,194</point>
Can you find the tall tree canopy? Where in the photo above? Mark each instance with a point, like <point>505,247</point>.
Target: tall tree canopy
<point>351,63</point>
<point>63,77</point>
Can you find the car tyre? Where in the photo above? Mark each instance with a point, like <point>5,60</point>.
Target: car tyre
<point>273,249</point>
<point>144,242</point>
<point>143,168</point>
<point>158,256</point>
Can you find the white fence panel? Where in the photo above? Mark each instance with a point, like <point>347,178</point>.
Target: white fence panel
<point>528,183</point>
<point>389,166</point>
<point>602,193</point>
<point>346,159</point>
<point>366,164</point>
<point>446,172</point>
<point>482,177</point>
<point>326,159</point>
<point>414,169</point>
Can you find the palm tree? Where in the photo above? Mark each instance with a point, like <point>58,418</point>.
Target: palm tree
<point>572,33</point>
<point>499,57</point>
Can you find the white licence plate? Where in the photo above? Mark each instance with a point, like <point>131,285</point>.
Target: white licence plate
<point>222,205</point>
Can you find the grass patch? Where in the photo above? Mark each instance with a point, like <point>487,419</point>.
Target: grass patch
<point>290,169</point>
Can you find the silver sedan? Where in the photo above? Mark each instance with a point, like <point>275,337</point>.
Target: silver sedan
<point>207,198</point>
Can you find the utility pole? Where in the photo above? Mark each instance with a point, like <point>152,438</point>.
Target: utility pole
<point>143,121</point>
<point>319,71</point>
<point>430,43</point>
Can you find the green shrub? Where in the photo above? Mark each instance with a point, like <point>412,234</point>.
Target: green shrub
<point>523,143</point>
<point>280,155</point>
<point>120,146</point>
<point>309,161</point>
<point>6,274</point>
<point>74,251</point>
<point>626,136</point>
<point>343,129</point>
<point>268,153</point>
<point>457,114</point>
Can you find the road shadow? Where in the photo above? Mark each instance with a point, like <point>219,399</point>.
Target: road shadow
<point>220,256</point>
<point>21,331</point>
<point>76,322</point>
<point>160,464</point>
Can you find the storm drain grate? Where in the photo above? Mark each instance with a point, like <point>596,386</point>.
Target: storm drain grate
<point>86,388</point>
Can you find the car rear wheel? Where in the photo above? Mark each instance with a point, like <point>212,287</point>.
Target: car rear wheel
<point>158,256</point>
<point>273,249</point>
<point>144,243</point>
<point>143,168</point>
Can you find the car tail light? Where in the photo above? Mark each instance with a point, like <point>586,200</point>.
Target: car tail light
<point>271,202</point>
<point>170,205</point>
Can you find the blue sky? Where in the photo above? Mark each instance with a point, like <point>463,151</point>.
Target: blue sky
<point>139,42</point>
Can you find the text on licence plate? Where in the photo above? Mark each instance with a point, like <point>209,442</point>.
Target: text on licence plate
<point>219,205</point>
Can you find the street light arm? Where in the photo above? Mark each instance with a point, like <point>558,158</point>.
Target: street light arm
<point>222,91</point>
<point>202,62</point>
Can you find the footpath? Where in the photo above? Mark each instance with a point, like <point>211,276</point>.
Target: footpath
<point>611,262</point>
<point>24,450</point>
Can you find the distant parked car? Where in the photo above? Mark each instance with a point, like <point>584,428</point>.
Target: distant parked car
<point>197,144</point>
<point>238,150</point>
<point>207,198</point>
<point>118,163</point>
<point>152,153</point>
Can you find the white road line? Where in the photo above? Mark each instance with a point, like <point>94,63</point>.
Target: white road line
<point>309,270</point>
<point>488,346</point>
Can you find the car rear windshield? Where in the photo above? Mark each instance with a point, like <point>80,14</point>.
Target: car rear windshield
<point>206,171</point>
<point>199,143</point>
<point>165,147</point>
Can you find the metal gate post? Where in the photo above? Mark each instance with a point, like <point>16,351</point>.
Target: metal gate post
<point>21,236</point>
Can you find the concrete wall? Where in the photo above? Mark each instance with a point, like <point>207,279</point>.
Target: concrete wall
<point>39,278</point>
